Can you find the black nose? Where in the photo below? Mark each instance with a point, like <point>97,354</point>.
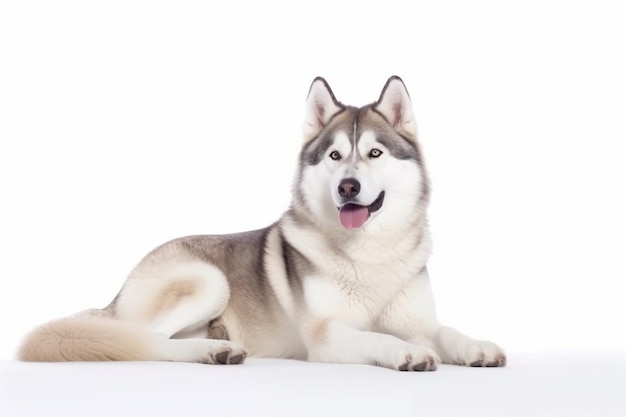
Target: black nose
<point>349,188</point>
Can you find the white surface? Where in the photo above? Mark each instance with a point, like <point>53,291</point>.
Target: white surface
<point>572,384</point>
<point>127,123</point>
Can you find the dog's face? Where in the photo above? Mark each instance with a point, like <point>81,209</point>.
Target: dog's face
<point>361,167</point>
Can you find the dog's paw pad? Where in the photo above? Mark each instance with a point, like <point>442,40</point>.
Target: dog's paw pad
<point>228,354</point>
<point>420,362</point>
<point>237,359</point>
<point>500,361</point>
<point>484,354</point>
<point>421,366</point>
<point>222,357</point>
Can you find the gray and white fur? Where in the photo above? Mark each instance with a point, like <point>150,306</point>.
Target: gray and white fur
<point>340,278</point>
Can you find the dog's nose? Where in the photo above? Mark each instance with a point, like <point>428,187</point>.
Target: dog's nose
<point>349,188</point>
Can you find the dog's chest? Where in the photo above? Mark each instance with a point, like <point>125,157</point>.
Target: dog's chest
<point>354,279</point>
<point>357,294</point>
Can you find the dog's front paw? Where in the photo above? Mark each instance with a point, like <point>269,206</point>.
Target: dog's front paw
<point>480,353</point>
<point>414,358</point>
<point>226,353</point>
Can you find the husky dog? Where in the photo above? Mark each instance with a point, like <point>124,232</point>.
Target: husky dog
<point>341,277</point>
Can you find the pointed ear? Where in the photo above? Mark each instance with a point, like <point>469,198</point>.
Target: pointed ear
<point>321,106</point>
<point>395,105</point>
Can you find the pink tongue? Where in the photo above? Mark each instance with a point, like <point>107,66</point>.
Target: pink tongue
<point>353,216</point>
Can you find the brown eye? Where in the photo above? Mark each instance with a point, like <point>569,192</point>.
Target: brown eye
<point>375,153</point>
<point>334,155</point>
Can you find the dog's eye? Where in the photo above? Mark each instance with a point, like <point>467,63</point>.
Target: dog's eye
<point>375,153</point>
<point>334,155</point>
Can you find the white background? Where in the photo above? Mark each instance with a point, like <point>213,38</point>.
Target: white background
<point>127,123</point>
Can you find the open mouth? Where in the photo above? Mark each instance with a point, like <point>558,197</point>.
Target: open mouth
<point>353,216</point>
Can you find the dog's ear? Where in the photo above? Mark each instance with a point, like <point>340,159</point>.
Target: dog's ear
<point>321,106</point>
<point>394,104</point>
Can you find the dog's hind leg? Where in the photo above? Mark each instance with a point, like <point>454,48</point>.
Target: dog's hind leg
<point>174,299</point>
<point>159,300</point>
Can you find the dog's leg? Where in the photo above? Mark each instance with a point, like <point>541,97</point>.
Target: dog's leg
<point>458,349</point>
<point>174,298</point>
<point>158,301</point>
<point>336,342</point>
<point>197,350</point>
<point>411,317</point>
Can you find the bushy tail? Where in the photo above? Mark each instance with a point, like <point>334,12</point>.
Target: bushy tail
<point>90,336</point>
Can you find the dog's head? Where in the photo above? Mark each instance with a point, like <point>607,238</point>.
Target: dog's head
<point>361,167</point>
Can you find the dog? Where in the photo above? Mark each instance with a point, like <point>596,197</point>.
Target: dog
<point>341,277</point>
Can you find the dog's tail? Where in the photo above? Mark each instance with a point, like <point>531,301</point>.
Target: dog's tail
<point>93,335</point>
